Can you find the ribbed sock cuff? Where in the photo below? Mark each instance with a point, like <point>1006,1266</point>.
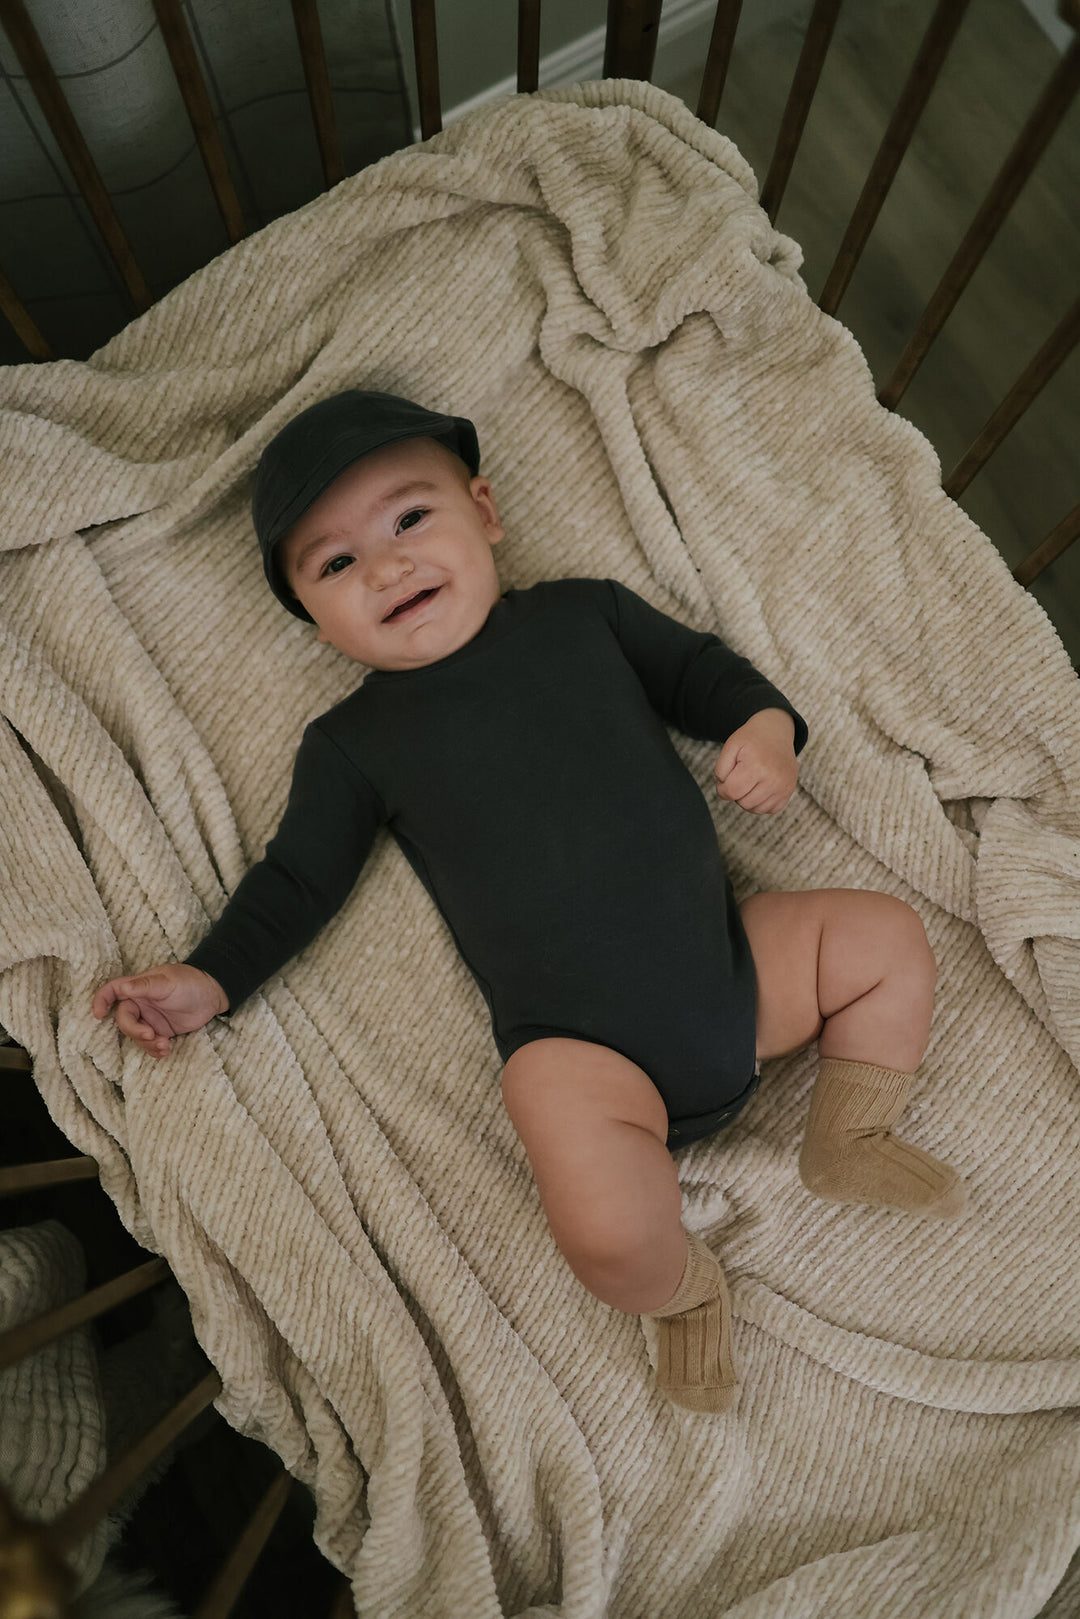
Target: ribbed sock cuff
<point>857,1096</point>
<point>700,1280</point>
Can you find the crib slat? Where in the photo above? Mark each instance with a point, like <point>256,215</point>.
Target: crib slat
<point>50,1172</point>
<point>53,103</point>
<point>811,61</point>
<point>1058,540</point>
<point>426,55</point>
<point>220,1599</point>
<point>16,1057</point>
<point>630,38</point>
<point>528,46</point>
<point>1051,109</point>
<point>1058,346</point>
<point>924,73</point>
<point>343,1606</point>
<point>95,1501</point>
<point>317,74</point>
<point>30,1336</point>
<point>725,22</point>
<point>17,313</point>
<point>189,77</point>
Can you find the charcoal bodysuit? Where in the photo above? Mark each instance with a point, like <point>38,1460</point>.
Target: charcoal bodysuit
<point>530,781</point>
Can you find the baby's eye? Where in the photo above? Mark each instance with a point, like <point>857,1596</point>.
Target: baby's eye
<point>330,565</point>
<point>418,512</point>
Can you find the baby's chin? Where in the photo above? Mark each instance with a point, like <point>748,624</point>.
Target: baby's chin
<point>437,632</point>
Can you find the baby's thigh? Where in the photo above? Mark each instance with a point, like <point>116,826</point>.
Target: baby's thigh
<point>605,1190</point>
<point>784,930</point>
<point>558,1086</point>
<point>818,951</point>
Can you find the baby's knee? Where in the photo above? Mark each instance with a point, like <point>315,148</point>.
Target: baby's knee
<point>913,948</point>
<point>605,1235</point>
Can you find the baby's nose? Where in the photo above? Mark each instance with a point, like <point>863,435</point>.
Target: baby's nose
<point>386,566</point>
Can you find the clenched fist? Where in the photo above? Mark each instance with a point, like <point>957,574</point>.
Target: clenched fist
<point>757,768</point>
<point>152,1006</point>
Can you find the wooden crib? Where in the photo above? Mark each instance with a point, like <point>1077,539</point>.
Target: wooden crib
<point>258,1556</point>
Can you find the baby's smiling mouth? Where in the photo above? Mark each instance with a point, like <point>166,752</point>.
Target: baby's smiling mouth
<point>413,601</point>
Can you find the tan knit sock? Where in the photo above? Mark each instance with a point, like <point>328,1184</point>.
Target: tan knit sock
<point>694,1367</point>
<point>850,1156</point>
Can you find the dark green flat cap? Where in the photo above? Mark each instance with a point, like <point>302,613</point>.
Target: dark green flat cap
<point>312,450</point>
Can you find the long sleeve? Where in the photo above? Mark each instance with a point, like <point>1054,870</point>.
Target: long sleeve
<point>309,868</point>
<point>693,680</point>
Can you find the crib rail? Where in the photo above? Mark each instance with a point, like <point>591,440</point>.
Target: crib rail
<point>631,34</point>
<point>800,98</point>
<point>24,40</point>
<point>925,72</point>
<point>36,1581</point>
<point>1051,108</point>
<point>35,1177</point>
<point>189,77</point>
<point>31,1336</point>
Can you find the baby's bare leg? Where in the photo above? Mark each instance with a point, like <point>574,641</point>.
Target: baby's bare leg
<point>594,1127</point>
<point>875,940</point>
<point>854,970</point>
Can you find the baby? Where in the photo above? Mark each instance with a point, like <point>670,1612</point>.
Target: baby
<point>516,745</point>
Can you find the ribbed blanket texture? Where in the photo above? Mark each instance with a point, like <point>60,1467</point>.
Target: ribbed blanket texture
<point>587,275</point>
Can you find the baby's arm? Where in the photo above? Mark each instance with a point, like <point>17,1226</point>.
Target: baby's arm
<point>305,876</point>
<point>693,680</point>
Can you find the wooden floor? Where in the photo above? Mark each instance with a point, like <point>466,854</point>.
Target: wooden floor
<point>995,73</point>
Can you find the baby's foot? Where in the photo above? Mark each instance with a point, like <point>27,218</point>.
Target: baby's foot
<point>885,1172</point>
<point>849,1154</point>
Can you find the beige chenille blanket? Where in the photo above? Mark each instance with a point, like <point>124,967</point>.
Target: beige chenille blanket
<point>586,274</point>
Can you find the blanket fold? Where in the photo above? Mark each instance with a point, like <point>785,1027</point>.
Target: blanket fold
<point>587,275</point>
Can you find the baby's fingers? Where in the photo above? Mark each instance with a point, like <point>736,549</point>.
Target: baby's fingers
<point>107,994</point>
<point>129,1022</point>
<point>120,989</point>
<point>739,784</point>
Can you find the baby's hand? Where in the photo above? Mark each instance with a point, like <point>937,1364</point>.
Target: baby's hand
<point>163,1001</point>
<point>757,768</point>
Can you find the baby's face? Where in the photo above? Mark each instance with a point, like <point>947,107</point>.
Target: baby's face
<point>367,543</point>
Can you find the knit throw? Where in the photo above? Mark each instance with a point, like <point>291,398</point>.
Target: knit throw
<point>587,275</point>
